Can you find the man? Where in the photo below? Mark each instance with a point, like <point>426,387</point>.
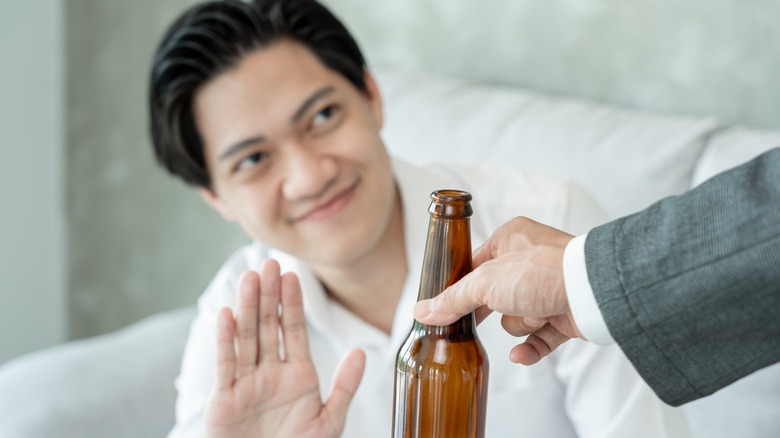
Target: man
<point>688,288</point>
<point>267,108</point>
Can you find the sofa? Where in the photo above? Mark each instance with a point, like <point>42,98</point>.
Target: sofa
<point>121,384</point>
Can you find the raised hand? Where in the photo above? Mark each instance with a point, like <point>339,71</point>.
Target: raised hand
<point>260,391</point>
<point>519,273</point>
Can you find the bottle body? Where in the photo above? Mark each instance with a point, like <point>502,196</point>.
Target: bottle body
<point>441,375</point>
<point>440,387</point>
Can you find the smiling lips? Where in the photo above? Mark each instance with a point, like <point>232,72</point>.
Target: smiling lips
<point>333,206</point>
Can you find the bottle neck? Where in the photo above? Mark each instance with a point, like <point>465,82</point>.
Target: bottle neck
<point>464,327</point>
<point>447,259</point>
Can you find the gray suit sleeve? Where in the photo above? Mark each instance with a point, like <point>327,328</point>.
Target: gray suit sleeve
<point>690,287</point>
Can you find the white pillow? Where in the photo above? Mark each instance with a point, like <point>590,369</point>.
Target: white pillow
<point>115,385</point>
<point>733,147</point>
<point>625,158</point>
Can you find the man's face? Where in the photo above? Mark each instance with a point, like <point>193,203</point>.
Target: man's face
<point>294,155</point>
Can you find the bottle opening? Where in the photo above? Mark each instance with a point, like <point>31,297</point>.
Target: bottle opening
<point>450,195</point>
<point>450,203</point>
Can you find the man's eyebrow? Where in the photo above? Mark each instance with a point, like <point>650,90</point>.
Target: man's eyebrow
<point>319,94</point>
<point>311,100</point>
<point>238,147</point>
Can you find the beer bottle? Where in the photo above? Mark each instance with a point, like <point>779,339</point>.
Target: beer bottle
<point>441,374</point>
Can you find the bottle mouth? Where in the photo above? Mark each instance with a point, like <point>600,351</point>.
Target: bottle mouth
<point>450,203</point>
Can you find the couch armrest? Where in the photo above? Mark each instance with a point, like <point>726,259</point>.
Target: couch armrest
<point>118,385</point>
<point>732,147</point>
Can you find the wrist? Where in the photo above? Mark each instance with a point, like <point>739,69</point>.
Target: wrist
<point>584,310</point>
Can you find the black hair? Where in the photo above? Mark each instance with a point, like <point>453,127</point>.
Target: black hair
<point>210,38</point>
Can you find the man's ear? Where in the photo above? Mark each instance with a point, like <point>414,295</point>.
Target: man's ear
<point>374,97</point>
<point>216,203</point>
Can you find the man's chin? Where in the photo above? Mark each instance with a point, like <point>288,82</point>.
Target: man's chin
<point>339,257</point>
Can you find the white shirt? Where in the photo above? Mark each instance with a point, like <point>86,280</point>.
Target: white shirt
<point>582,301</point>
<point>579,390</point>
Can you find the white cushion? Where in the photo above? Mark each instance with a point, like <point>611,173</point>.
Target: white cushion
<point>115,385</point>
<point>627,159</point>
<point>732,147</point>
<point>747,408</point>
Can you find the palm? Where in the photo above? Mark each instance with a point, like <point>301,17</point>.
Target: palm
<point>260,391</point>
<point>257,402</point>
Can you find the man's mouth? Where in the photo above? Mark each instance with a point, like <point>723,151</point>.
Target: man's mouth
<point>332,206</point>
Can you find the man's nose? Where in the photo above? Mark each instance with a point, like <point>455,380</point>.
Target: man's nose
<point>308,174</point>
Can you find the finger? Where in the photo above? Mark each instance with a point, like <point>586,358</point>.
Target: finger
<point>226,354</point>
<point>246,322</point>
<point>460,299</point>
<point>520,326</point>
<point>296,341</point>
<point>484,253</point>
<point>270,289</point>
<point>492,247</point>
<point>537,345</point>
<point>346,380</point>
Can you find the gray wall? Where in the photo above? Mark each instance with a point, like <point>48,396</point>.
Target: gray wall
<point>141,242</point>
<point>692,56</point>
<point>32,235</point>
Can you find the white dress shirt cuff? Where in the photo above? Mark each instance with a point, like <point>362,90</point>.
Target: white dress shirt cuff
<point>582,302</point>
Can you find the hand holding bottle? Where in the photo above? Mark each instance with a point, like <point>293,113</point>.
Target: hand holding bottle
<point>519,273</point>
<point>259,391</point>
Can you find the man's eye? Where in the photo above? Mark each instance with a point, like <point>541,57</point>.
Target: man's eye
<point>324,115</point>
<point>250,161</point>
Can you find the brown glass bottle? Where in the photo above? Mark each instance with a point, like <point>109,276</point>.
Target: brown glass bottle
<point>441,375</point>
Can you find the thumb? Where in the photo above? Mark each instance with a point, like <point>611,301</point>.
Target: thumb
<point>346,380</point>
<point>452,303</point>
<point>486,252</point>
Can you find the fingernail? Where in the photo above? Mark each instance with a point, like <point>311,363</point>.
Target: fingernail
<point>422,309</point>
